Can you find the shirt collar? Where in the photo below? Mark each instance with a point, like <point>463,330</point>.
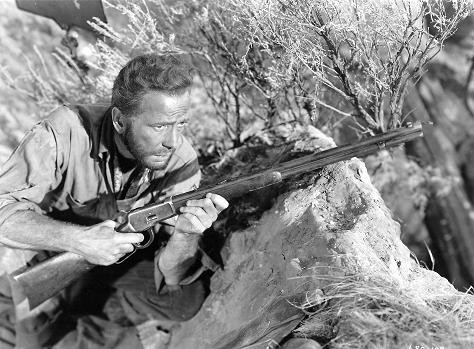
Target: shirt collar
<point>105,143</point>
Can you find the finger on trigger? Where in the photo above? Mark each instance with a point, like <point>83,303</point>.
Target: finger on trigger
<point>130,238</point>
<point>126,248</point>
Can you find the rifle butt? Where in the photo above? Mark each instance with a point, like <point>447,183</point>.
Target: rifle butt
<point>47,279</point>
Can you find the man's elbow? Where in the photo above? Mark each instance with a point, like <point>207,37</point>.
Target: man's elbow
<point>13,210</point>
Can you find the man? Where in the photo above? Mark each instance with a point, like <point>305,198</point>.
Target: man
<point>76,170</point>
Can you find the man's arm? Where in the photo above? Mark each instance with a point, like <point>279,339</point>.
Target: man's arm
<point>178,256</point>
<point>99,244</point>
<point>180,252</point>
<point>33,170</point>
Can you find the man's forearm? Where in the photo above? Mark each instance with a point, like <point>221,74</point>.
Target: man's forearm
<point>178,256</point>
<point>32,230</point>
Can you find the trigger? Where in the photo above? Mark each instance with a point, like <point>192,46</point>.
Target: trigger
<point>148,240</point>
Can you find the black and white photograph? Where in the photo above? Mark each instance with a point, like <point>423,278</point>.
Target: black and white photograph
<point>236,174</point>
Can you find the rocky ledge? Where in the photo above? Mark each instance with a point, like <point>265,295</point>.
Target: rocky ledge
<point>326,262</point>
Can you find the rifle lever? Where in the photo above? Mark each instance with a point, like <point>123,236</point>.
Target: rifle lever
<point>149,235</point>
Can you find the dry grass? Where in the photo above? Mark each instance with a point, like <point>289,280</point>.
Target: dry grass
<point>23,38</point>
<point>357,313</point>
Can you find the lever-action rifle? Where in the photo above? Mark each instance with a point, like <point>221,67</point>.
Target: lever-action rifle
<point>46,279</point>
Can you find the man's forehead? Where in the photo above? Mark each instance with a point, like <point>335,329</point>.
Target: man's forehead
<point>158,105</point>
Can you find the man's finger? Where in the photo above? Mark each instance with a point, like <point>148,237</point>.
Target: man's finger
<point>210,209</point>
<point>219,202</point>
<point>126,248</point>
<point>199,212</point>
<point>205,204</point>
<point>198,227</point>
<point>128,238</point>
<point>117,257</point>
<point>108,223</point>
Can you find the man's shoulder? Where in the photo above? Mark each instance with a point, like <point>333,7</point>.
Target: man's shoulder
<point>73,116</point>
<point>62,117</point>
<point>77,126</point>
<point>185,152</point>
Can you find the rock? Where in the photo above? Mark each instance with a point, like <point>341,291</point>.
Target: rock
<point>336,227</point>
<point>404,186</point>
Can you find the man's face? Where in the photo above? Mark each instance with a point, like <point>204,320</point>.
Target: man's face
<point>152,133</point>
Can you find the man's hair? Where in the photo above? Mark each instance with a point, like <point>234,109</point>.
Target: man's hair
<point>168,74</point>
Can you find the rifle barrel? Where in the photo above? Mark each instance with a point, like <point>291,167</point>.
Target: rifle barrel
<point>231,188</point>
<point>364,148</point>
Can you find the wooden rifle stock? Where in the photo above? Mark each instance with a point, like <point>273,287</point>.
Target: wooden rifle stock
<point>46,279</point>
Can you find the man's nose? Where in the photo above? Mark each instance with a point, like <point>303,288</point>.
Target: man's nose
<point>170,138</point>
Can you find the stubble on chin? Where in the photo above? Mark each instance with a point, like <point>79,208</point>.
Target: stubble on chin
<point>133,148</point>
<point>141,154</point>
<point>154,165</point>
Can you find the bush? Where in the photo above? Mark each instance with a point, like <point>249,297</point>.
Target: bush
<point>264,63</point>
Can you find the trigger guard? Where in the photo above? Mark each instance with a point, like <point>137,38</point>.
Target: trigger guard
<point>149,241</point>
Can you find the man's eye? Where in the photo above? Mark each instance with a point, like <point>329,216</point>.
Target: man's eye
<point>182,124</point>
<point>159,127</point>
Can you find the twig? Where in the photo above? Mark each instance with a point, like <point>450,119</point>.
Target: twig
<point>466,88</point>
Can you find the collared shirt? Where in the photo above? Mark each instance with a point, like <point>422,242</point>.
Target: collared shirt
<point>65,166</point>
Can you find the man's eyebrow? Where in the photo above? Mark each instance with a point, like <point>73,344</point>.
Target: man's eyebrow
<point>161,123</point>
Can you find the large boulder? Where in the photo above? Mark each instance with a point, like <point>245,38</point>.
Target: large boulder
<point>333,228</point>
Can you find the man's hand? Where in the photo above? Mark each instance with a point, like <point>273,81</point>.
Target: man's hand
<point>101,244</point>
<point>198,215</point>
<point>180,252</point>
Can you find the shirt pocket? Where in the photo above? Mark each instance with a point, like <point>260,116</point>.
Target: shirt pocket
<point>92,211</point>
<point>80,209</point>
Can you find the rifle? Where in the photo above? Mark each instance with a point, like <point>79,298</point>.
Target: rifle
<point>46,279</point>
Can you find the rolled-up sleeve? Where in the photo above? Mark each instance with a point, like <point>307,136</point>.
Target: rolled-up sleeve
<point>32,170</point>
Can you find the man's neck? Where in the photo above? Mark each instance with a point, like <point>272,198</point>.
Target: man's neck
<point>126,160</point>
<point>121,147</point>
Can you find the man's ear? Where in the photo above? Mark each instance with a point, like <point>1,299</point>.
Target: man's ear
<point>118,119</point>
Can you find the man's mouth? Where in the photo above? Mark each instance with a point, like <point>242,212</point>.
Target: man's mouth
<point>162,156</point>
